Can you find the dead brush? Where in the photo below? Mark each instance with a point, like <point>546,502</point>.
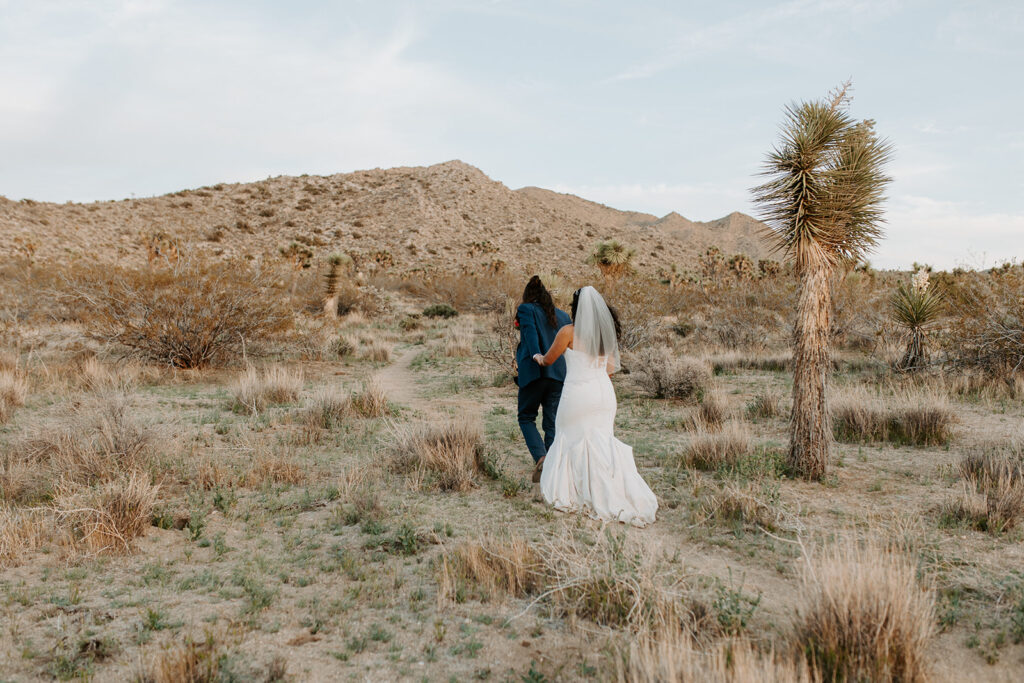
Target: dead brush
<point>371,401</point>
<point>494,568</point>
<point>105,519</point>
<point>458,341</point>
<point>253,391</point>
<point>450,454</point>
<point>359,494</point>
<point>95,442</point>
<point>328,409</point>
<point>674,655</point>
<point>661,374</point>
<point>864,616</point>
<point>711,451</point>
<point>95,376</point>
<point>13,392</point>
<point>916,418</point>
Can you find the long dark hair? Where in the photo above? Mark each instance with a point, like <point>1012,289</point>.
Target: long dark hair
<point>537,293</point>
<point>615,315</point>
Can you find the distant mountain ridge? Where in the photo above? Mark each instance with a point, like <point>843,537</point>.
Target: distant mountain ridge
<point>445,216</point>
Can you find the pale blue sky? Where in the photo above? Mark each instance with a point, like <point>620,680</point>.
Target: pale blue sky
<point>650,106</point>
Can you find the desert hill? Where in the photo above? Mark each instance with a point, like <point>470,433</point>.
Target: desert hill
<point>448,216</point>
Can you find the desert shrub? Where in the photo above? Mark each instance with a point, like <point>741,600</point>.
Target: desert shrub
<point>440,311</point>
<point>662,374</point>
<point>864,616</point>
<point>450,454</point>
<point>986,332</point>
<point>458,341</point>
<point>13,391</point>
<point>189,314</point>
<point>343,346</point>
<point>371,401</point>
<point>96,376</point>
<point>713,451</point>
<point>254,390</point>
<point>493,568</point>
<point>498,347</point>
<point>735,360</point>
<point>711,412</point>
<point>108,517</point>
<point>914,418</point>
<point>94,442</point>
<point>764,406</point>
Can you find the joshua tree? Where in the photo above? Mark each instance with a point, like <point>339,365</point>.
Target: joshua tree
<point>612,257</point>
<point>331,280</point>
<point>915,308</point>
<point>822,202</point>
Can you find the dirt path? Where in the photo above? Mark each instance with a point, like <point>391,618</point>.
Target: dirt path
<point>399,383</point>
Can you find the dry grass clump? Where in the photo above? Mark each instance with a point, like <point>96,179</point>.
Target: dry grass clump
<point>917,418</point>
<point>328,408</point>
<point>864,615</point>
<point>274,470</point>
<point>674,655</point>
<point>105,519</point>
<point>756,503</point>
<point>187,314</point>
<point>616,583</point>
<point>992,491</point>
<point>96,442</point>
<point>190,662</point>
<point>711,413</point>
<point>371,401</point>
<point>13,392</point>
<point>93,375</point>
<point>662,374</point>
<point>21,531</point>
<point>376,351</point>
<point>495,568</point>
<point>711,451</point>
<point>764,406</point>
<point>451,454</point>
<point>254,390</point>
<point>458,341</point>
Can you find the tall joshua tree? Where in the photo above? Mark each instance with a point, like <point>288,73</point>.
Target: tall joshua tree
<point>822,202</point>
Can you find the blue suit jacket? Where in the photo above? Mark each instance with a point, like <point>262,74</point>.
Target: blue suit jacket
<point>536,336</point>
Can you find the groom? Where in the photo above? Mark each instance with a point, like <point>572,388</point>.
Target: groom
<point>540,388</point>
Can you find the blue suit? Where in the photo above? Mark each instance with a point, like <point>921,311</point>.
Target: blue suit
<point>539,388</point>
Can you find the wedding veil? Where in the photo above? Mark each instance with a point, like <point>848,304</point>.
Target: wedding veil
<point>594,327</point>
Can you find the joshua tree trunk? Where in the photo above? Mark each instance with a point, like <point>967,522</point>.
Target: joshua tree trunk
<point>914,356</point>
<point>810,426</point>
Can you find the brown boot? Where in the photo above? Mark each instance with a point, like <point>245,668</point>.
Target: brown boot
<point>538,469</point>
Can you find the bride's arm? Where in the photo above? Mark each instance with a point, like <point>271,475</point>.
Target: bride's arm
<point>558,347</point>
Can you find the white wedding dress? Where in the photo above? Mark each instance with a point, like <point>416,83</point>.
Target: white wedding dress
<point>587,468</point>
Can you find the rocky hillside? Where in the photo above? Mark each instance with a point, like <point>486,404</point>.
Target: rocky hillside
<point>448,216</point>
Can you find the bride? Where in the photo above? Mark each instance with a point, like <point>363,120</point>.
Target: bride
<point>586,467</point>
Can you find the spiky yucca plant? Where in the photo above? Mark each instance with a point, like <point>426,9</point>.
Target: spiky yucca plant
<point>612,257</point>
<point>915,309</point>
<point>822,202</point>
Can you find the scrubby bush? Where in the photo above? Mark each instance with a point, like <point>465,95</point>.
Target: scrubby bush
<point>712,451</point>
<point>992,494</point>
<point>188,314</point>
<point>662,374</point>
<point>107,518</point>
<point>13,390</point>
<point>439,310</point>
<point>255,390</point>
<point>914,418</point>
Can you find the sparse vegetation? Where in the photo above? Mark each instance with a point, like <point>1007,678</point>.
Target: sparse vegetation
<point>664,375</point>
